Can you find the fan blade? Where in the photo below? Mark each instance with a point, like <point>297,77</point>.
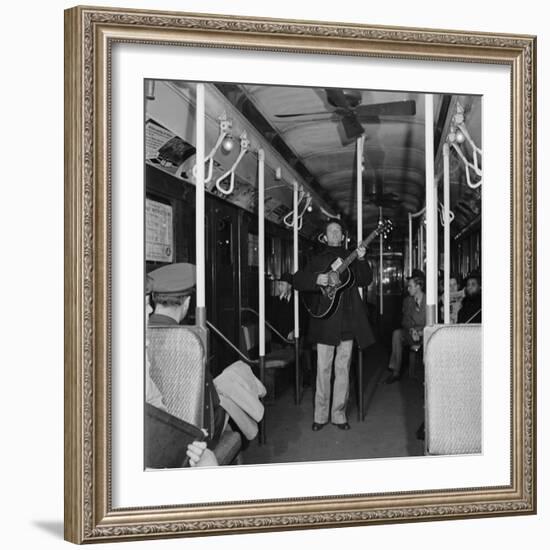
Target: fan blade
<point>329,117</point>
<point>337,98</point>
<point>286,115</point>
<point>369,119</point>
<point>352,127</point>
<point>394,108</point>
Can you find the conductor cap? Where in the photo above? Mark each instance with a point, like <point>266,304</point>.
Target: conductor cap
<point>177,278</point>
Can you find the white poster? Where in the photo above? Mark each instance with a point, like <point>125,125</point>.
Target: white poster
<point>159,245</point>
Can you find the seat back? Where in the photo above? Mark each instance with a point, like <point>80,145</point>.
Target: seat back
<point>452,359</point>
<point>178,366</point>
<point>250,338</point>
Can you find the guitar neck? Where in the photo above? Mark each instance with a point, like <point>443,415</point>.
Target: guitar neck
<point>351,258</point>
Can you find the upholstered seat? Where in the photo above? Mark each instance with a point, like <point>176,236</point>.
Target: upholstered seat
<point>178,367</point>
<point>452,358</point>
<point>275,359</point>
<point>280,358</point>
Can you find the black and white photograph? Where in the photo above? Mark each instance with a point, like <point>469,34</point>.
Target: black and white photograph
<point>300,274</point>
<point>313,274</point>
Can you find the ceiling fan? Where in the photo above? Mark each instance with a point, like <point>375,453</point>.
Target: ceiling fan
<point>348,108</point>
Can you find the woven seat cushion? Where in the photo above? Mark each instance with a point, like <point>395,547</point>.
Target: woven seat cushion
<point>453,389</point>
<point>178,370</point>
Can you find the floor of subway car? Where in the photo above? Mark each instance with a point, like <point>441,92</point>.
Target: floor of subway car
<point>393,414</point>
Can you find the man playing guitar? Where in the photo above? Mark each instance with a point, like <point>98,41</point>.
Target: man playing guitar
<point>334,328</point>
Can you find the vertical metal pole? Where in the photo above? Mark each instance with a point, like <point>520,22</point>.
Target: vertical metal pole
<point>436,251</point>
<point>261,276</point>
<point>261,251</point>
<point>297,371</point>
<point>410,244</point>
<point>199,210</point>
<point>381,266</point>
<point>418,253</point>
<point>359,173</point>
<point>421,230</point>
<point>359,182</point>
<point>446,235</point>
<point>431,215</point>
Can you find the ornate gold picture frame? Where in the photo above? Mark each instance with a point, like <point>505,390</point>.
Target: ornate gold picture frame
<point>90,34</point>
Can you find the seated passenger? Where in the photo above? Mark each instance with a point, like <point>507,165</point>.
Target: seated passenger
<point>455,300</point>
<point>470,311</point>
<point>280,307</point>
<point>412,322</point>
<point>280,313</point>
<point>197,452</point>
<point>172,287</point>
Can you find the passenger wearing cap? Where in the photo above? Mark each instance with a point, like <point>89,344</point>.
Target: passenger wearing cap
<point>172,287</point>
<point>197,452</point>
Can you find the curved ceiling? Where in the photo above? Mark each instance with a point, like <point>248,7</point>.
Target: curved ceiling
<point>310,126</point>
<point>393,155</point>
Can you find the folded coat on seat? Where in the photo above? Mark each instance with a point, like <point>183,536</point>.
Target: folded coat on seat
<point>240,392</point>
<point>247,425</point>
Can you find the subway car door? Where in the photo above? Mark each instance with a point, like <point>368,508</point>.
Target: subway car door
<point>385,300</point>
<point>223,281</point>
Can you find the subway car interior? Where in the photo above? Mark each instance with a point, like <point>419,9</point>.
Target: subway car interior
<point>242,181</point>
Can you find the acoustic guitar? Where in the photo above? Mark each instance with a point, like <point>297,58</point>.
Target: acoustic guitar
<point>341,277</point>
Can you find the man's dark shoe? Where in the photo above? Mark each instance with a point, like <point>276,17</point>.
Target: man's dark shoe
<point>344,426</point>
<point>316,426</point>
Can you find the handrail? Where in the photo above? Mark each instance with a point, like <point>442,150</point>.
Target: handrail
<point>243,356</point>
<point>473,316</point>
<point>269,325</point>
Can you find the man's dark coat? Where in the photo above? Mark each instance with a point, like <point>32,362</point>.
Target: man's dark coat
<point>351,315</point>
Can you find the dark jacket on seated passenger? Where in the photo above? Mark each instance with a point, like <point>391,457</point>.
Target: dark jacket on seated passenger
<point>280,313</point>
<point>414,314</point>
<point>470,311</point>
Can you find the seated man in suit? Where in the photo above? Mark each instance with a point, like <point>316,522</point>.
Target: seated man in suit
<point>412,323</point>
